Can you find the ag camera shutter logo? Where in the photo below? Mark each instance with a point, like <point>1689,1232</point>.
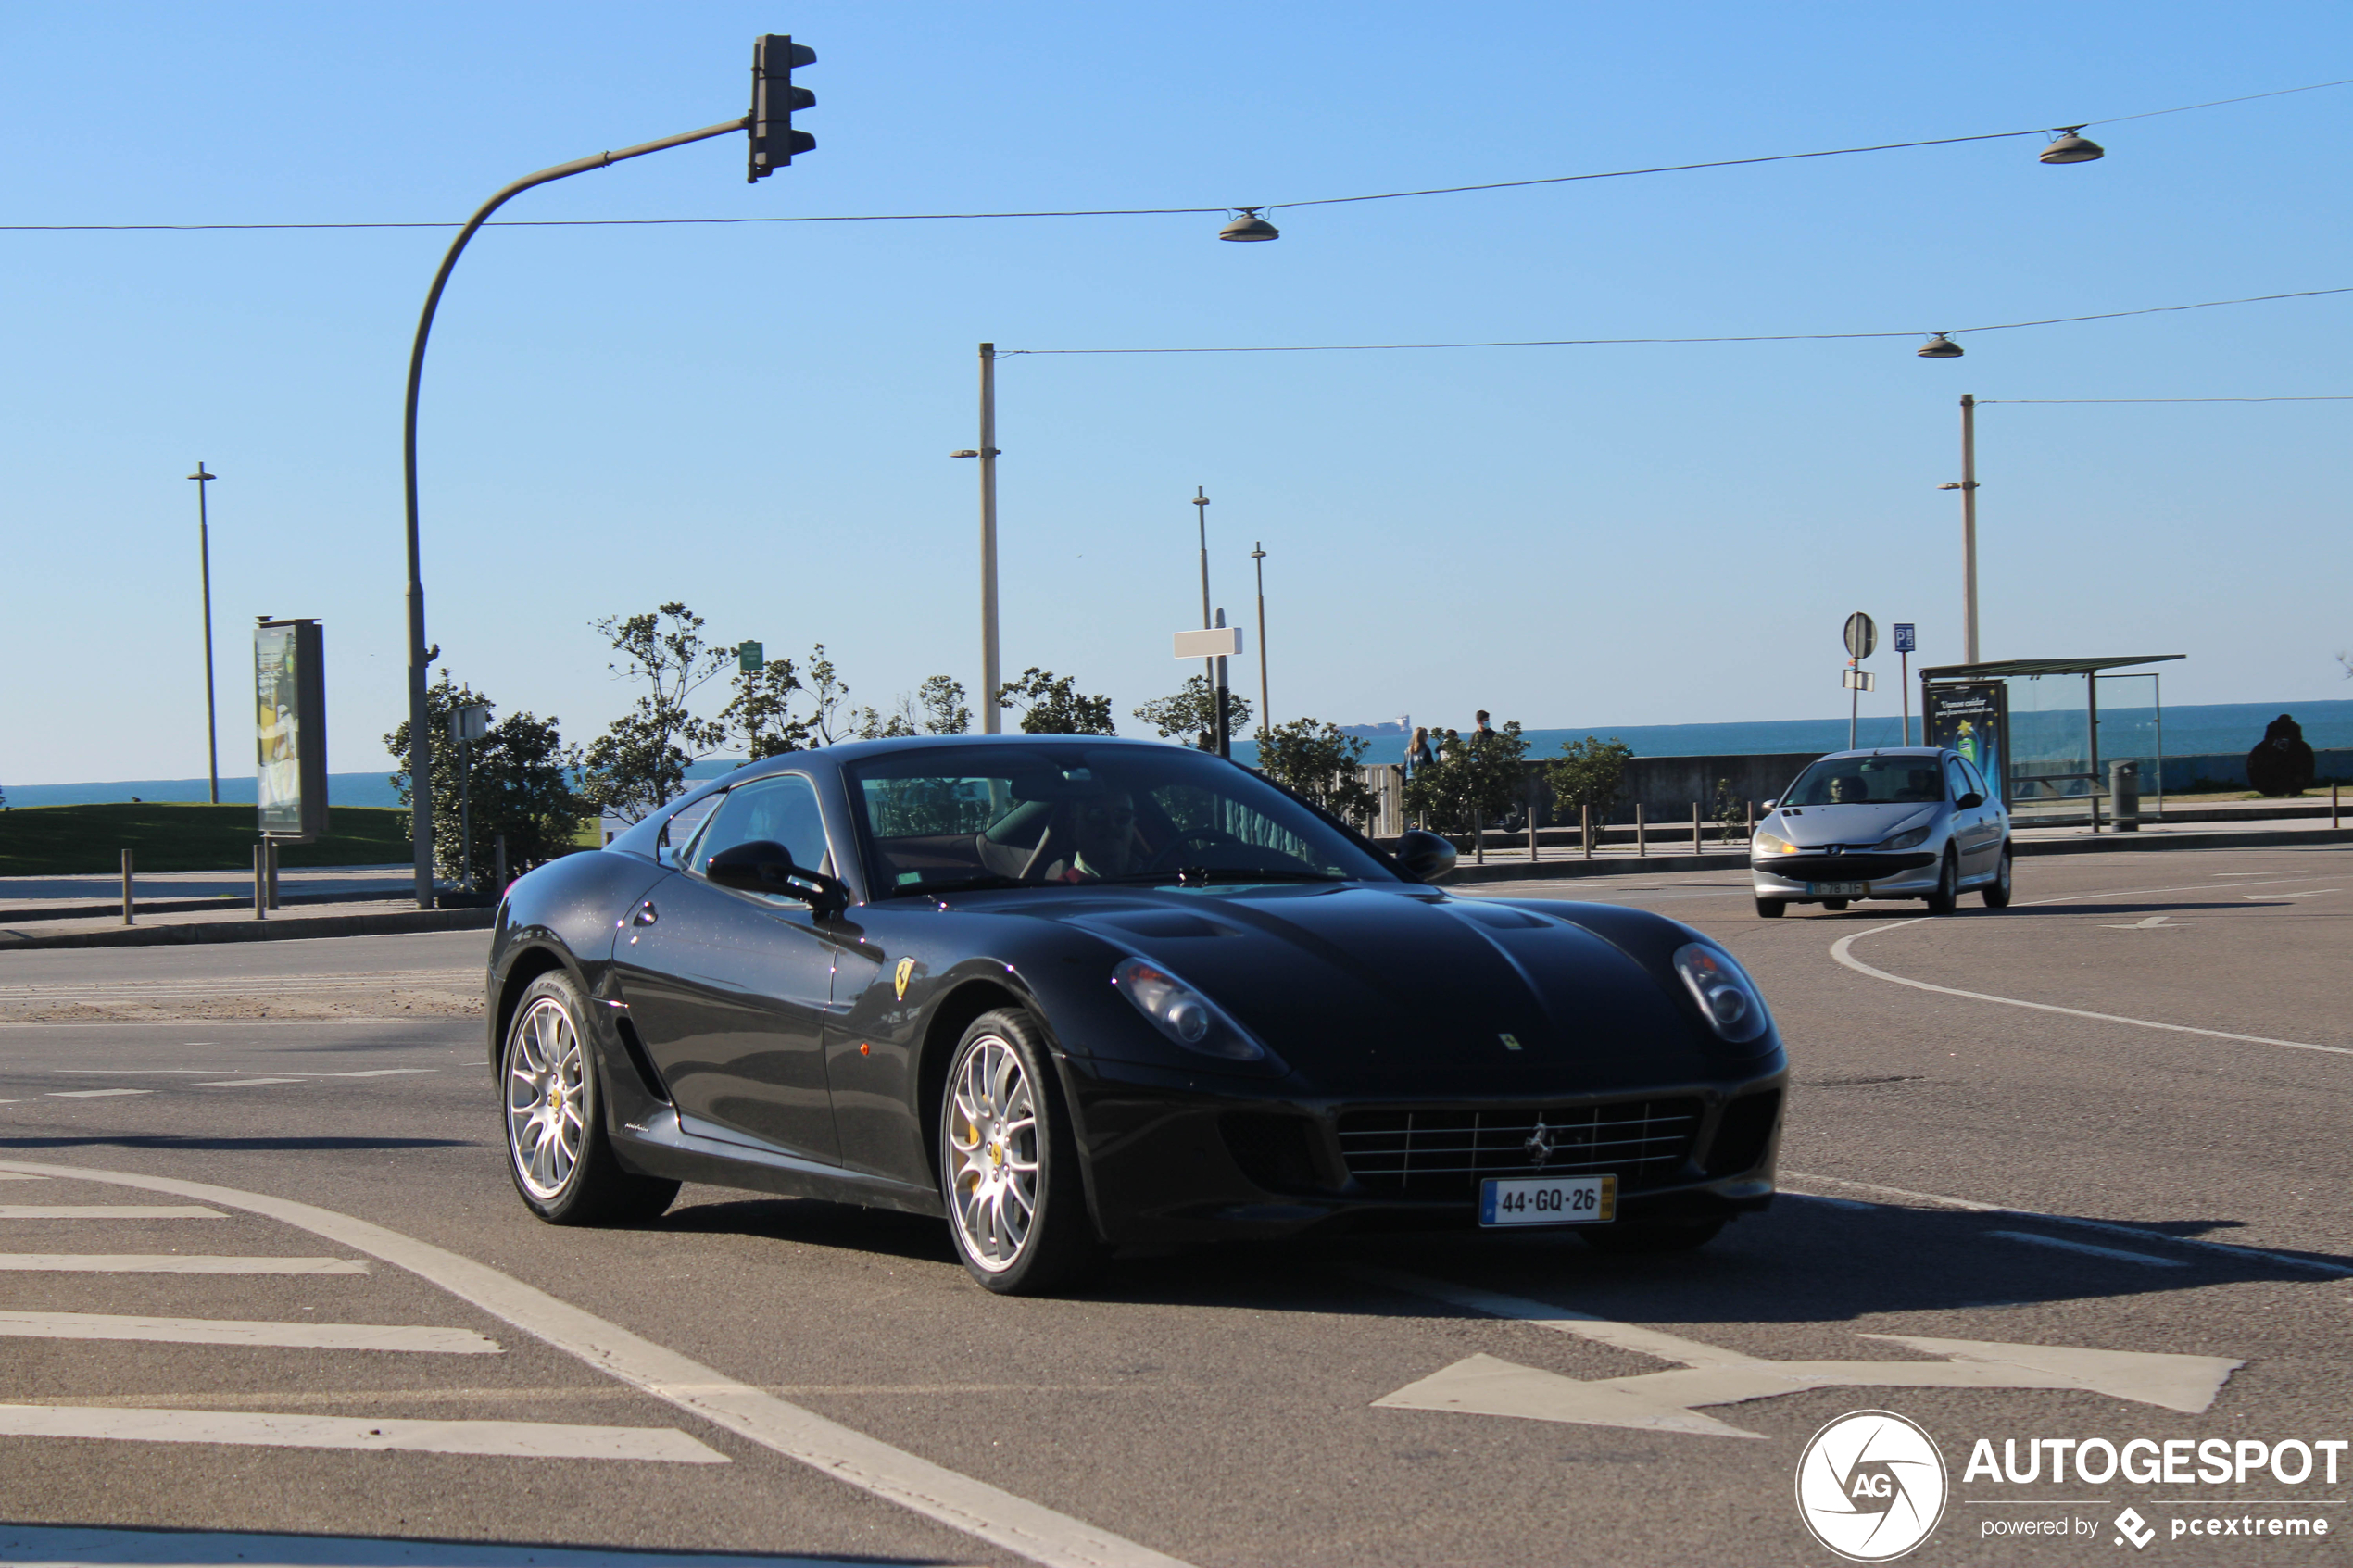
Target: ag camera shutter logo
<point>1872,1486</point>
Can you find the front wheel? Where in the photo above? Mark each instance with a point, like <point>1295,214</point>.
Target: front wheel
<point>1997,892</point>
<point>1009,1162</point>
<point>557,1151</point>
<point>1948,884</point>
<point>1834,905</point>
<point>1771,908</point>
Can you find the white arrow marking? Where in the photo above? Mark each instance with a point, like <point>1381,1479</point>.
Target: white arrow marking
<point>2155,923</point>
<point>1664,1402</point>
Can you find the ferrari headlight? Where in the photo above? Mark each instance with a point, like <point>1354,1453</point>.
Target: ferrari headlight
<point>1725,994</point>
<point>1771,843</point>
<point>1182,1014</point>
<point>1911,840</point>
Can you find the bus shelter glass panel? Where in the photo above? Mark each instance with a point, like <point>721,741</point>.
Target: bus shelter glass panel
<point>2132,730</point>
<point>2050,745</point>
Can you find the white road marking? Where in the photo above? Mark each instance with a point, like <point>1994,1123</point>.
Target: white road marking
<point>2266,897</point>
<point>2287,1259</point>
<point>2151,1259</point>
<point>2155,923</point>
<point>108,1211</point>
<point>43,1546</point>
<point>12,1175</point>
<point>532,1439</point>
<point>172,1263</point>
<point>1010,1522</point>
<point>1839,951</point>
<point>248,1082</point>
<point>380,1073</point>
<point>94,1094</point>
<point>1664,1401</point>
<point>222,1331</point>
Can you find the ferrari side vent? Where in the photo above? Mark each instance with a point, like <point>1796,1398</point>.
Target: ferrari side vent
<point>1742,1134</point>
<point>647,1074</point>
<point>1447,1153</point>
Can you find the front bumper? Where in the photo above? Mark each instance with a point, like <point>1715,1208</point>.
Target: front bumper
<point>1911,875</point>
<point>1179,1158</point>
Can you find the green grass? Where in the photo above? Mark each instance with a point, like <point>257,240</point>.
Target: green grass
<point>63,840</point>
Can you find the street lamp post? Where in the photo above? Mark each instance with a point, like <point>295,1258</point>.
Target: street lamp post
<point>1967,487</point>
<point>1200,513</point>
<point>204,555</point>
<point>1265,713</point>
<point>991,720</point>
<point>421,655</point>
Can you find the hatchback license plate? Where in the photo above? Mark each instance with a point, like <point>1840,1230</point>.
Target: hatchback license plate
<point>1838,889</point>
<point>1548,1200</point>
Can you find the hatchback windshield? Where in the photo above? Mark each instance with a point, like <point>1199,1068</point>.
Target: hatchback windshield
<point>993,815</point>
<point>1867,781</point>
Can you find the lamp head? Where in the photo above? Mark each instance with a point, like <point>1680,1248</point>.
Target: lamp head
<point>1250,226</point>
<point>2068,148</point>
<point>1939,347</point>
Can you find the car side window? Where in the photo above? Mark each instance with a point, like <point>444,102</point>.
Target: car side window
<point>1977,779</point>
<point>679,830</point>
<point>1959,778</point>
<point>782,810</point>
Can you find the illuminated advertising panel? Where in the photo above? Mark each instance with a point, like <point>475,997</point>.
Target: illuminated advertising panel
<point>289,728</point>
<point>1972,718</point>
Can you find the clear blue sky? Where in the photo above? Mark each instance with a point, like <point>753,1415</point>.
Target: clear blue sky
<point>756,419</point>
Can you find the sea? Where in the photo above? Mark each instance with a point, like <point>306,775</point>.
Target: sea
<point>2226,729</point>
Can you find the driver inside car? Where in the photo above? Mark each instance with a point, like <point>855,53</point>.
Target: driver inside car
<point>1102,833</point>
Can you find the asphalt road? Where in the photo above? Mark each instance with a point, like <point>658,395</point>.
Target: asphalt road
<point>2149,1160</point>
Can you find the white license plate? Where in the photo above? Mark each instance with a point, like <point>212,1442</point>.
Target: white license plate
<point>1838,889</point>
<point>1548,1200</point>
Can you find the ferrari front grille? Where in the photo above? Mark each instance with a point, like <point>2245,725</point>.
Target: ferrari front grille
<point>1448,1153</point>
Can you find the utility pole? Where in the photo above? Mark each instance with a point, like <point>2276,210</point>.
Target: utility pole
<point>1201,512</point>
<point>1224,724</point>
<point>992,720</point>
<point>1969,523</point>
<point>1266,713</point>
<point>203,554</point>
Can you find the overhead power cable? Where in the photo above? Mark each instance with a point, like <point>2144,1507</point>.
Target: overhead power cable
<point>1606,342</point>
<point>2324,397</point>
<point>1162,211</point>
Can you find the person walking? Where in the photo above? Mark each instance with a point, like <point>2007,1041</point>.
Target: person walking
<point>1418,752</point>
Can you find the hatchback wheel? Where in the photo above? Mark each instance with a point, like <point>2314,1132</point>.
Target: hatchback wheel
<point>1948,882</point>
<point>1771,908</point>
<point>1997,892</point>
<point>1009,1162</point>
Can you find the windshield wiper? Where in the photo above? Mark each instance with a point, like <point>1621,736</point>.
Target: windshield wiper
<point>957,884</point>
<point>1228,874</point>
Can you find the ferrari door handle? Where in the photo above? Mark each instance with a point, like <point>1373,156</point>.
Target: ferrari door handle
<point>646,914</point>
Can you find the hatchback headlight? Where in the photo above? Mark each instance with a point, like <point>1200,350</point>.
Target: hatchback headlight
<point>1182,1014</point>
<point>1770,843</point>
<point>1911,840</point>
<point>1724,992</point>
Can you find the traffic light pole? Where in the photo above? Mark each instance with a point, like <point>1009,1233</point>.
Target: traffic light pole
<point>421,655</point>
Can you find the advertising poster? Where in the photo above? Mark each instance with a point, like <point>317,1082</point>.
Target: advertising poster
<point>290,729</point>
<point>1972,718</point>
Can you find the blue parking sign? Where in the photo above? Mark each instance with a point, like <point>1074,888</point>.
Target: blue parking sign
<point>1905,641</point>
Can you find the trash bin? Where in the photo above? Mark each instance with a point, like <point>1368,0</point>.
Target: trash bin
<point>2124,795</point>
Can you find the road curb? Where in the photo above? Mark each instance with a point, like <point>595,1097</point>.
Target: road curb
<point>276,930</point>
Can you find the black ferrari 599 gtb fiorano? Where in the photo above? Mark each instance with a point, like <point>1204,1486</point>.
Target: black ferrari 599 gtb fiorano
<point>1073,994</point>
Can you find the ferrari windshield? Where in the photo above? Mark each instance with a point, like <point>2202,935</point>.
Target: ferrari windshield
<point>1867,781</point>
<point>993,815</point>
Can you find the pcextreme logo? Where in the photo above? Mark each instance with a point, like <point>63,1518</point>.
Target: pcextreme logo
<point>1872,1486</point>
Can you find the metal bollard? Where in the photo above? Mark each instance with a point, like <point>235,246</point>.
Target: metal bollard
<point>270,846</point>
<point>1641,833</point>
<point>2332,808</point>
<point>127,905</point>
<point>261,880</point>
<point>1478,839</point>
<point>2124,795</point>
<point>1695,838</point>
<point>1585,830</point>
<point>500,853</point>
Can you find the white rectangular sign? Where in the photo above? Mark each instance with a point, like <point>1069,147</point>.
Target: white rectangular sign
<point>1859,680</point>
<point>1211,642</point>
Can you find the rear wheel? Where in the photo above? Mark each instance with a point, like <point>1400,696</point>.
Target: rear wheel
<point>1009,1162</point>
<point>557,1151</point>
<point>1633,1236</point>
<point>1948,881</point>
<point>1997,892</point>
<point>1771,908</point>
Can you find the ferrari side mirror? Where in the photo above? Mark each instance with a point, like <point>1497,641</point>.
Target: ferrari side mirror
<point>765,866</point>
<point>1425,857</point>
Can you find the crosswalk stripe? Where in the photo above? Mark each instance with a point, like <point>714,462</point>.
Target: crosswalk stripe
<point>248,1082</point>
<point>172,1263</point>
<point>108,1211</point>
<point>94,1094</point>
<point>222,1331</point>
<point>532,1439</point>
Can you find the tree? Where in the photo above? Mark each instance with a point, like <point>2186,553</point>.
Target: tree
<point>762,711</point>
<point>642,759</point>
<point>1313,758</point>
<point>1192,713</point>
<point>521,786</point>
<point>940,705</point>
<point>1480,779</point>
<point>1052,705</point>
<point>1591,772</point>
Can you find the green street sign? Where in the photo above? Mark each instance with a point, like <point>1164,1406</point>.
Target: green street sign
<point>750,656</point>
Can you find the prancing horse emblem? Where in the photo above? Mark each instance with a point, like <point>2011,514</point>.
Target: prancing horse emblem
<point>906,969</point>
<point>1540,1144</point>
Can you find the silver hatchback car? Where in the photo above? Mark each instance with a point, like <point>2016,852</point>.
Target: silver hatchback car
<point>1898,822</point>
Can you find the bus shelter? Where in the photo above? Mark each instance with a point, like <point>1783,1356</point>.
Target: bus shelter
<point>2047,729</point>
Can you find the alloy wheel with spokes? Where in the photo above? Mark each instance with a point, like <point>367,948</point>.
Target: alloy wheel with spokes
<point>546,1092</point>
<point>1010,1163</point>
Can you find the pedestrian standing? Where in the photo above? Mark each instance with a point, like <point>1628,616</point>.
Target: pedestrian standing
<point>1452,745</point>
<point>1484,729</point>
<point>1417,752</point>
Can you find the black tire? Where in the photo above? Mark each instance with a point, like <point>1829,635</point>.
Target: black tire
<point>1833,905</point>
<point>549,1079</point>
<point>1948,896</point>
<point>1997,892</point>
<point>1002,1108</point>
<point>1638,1236</point>
<point>1771,909</point>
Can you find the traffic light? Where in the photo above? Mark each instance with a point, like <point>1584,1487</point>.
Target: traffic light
<point>774,97</point>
